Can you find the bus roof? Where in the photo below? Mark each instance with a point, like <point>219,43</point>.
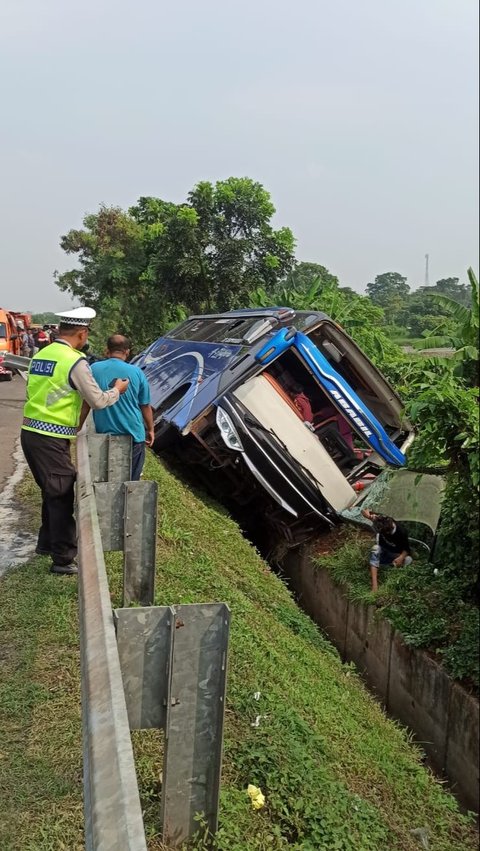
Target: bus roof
<point>280,313</point>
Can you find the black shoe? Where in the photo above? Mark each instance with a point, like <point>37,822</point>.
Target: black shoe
<point>64,569</point>
<point>41,552</point>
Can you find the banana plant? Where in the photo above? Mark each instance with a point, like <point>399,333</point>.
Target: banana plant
<point>464,339</point>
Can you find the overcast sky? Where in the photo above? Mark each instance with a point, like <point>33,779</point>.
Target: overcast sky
<point>359,117</point>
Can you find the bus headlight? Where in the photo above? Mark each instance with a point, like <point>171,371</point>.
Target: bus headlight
<point>228,431</point>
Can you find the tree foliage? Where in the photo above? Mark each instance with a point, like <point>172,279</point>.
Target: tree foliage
<point>362,319</point>
<point>446,415</point>
<point>44,318</point>
<point>460,333</point>
<point>420,312</point>
<point>303,274</point>
<point>452,288</point>
<point>389,291</point>
<point>149,266</point>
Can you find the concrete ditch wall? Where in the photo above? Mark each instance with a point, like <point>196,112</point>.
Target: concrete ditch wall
<point>411,685</point>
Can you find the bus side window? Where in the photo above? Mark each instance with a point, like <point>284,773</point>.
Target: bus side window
<point>331,349</point>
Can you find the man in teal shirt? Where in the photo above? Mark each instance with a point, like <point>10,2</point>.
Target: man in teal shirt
<point>133,412</point>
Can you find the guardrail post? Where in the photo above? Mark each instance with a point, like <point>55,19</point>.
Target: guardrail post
<point>140,543</point>
<point>127,514</point>
<point>145,647</point>
<point>174,668</point>
<point>110,499</point>
<point>110,457</point>
<point>194,733</point>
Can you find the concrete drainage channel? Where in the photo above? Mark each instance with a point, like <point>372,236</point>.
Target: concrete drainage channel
<point>412,687</point>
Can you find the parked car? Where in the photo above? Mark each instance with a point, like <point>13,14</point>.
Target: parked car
<point>279,411</point>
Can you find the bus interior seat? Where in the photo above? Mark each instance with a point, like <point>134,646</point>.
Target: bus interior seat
<point>281,391</point>
<point>328,433</point>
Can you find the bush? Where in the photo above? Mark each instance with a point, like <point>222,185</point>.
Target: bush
<point>461,657</point>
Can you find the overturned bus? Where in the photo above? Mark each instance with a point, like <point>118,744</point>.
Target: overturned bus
<point>279,411</point>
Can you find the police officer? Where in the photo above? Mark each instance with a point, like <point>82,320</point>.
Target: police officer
<point>59,379</point>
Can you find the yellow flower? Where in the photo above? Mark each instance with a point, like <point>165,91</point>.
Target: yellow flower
<point>256,797</point>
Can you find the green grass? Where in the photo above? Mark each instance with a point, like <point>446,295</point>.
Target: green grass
<point>336,773</point>
<point>406,341</point>
<point>433,611</point>
<point>40,742</point>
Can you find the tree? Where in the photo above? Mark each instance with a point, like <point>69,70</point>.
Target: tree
<point>451,288</point>
<point>112,258</point>
<point>240,247</point>
<point>389,291</point>
<point>446,414</point>
<point>419,313</point>
<point>356,313</point>
<point>158,261</point>
<point>209,252</point>
<point>44,318</point>
<point>303,274</point>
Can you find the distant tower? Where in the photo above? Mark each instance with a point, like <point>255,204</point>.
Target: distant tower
<point>427,282</point>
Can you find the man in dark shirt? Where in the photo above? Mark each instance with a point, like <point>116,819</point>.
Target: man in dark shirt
<point>392,544</point>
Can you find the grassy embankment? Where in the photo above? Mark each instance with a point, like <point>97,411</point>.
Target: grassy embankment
<point>336,773</point>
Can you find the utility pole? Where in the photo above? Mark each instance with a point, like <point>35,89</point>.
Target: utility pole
<point>427,282</point>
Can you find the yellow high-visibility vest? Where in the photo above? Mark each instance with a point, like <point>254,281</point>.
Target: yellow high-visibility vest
<point>53,406</point>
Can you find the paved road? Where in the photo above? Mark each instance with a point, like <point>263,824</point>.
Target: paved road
<point>16,543</point>
<point>12,395</point>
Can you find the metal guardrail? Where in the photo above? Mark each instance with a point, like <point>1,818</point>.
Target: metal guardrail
<point>17,362</point>
<point>113,815</point>
<point>156,666</point>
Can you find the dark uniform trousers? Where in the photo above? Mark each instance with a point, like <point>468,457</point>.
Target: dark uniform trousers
<point>51,465</point>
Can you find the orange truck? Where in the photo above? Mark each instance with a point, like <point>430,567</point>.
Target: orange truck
<point>11,324</point>
<point>23,320</point>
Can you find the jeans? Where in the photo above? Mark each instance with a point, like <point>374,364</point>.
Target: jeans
<point>138,460</point>
<point>381,557</point>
